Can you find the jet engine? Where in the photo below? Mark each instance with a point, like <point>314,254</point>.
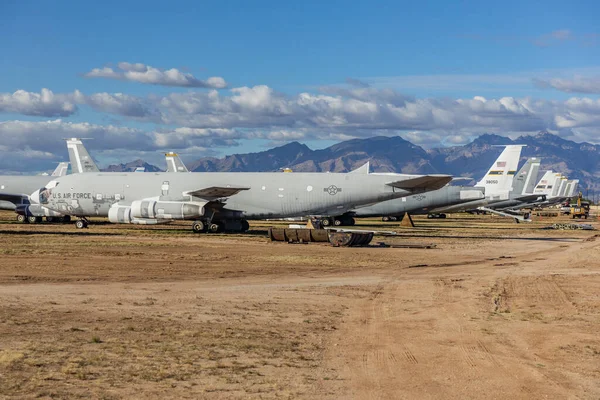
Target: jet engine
<point>122,215</point>
<point>166,209</point>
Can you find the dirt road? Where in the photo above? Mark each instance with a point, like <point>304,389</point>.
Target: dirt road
<point>496,310</point>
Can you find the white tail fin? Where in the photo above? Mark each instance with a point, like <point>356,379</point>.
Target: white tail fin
<point>499,178</point>
<point>79,157</point>
<point>563,186</point>
<point>525,179</point>
<point>364,169</point>
<point>61,169</point>
<point>574,187</point>
<point>174,163</point>
<point>545,185</point>
<point>556,184</point>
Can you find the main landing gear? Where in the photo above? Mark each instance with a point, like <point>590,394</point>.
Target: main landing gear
<point>23,219</point>
<point>218,226</point>
<point>430,216</point>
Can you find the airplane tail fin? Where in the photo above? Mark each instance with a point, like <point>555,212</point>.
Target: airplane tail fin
<point>499,178</point>
<point>542,186</point>
<point>556,186</point>
<point>174,163</point>
<point>574,187</point>
<point>364,169</point>
<point>79,157</point>
<point>61,169</point>
<point>563,186</point>
<point>524,182</point>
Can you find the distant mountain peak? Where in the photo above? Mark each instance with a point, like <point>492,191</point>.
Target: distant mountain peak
<point>395,154</point>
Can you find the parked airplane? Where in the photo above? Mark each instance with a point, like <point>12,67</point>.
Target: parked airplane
<point>494,186</point>
<point>14,191</point>
<point>523,184</point>
<point>416,203</point>
<point>425,203</point>
<point>219,201</point>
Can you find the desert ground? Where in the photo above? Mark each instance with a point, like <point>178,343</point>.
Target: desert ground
<point>495,310</point>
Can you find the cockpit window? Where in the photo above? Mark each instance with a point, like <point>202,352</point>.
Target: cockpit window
<point>52,184</point>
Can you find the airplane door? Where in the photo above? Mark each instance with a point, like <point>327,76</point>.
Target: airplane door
<point>164,188</point>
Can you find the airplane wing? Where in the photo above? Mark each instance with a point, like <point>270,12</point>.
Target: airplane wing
<point>531,197</point>
<point>15,199</point>
<point>216,192</point>
<point>423,183</point>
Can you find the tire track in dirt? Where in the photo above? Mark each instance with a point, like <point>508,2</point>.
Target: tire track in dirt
<point>450,315</point>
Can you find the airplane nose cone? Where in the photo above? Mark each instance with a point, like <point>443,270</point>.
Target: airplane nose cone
<point>35,197</point>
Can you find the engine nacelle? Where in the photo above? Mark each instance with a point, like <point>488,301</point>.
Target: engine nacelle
<point>151,209</point>
<point>36,210</point>
<point>119,215</point>
<point>123,215</point>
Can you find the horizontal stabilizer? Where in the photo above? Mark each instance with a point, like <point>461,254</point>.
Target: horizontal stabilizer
<point>517,217</point>
<point>422,183</point>
<point>216,192</point>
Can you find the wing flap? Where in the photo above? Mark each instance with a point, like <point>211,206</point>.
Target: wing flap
<point>216,192</point>
<point>422,183</point>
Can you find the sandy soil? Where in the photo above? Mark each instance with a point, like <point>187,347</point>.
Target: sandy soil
<point>495,310</point>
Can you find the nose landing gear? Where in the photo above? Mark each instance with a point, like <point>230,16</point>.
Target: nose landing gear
<point>81,223</point>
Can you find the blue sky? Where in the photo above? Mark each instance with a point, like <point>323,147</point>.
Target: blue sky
<point>434,72</point>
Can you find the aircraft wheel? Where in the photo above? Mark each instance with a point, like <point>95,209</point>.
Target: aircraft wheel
<point>66,219</point>
<point>245,225</point>
<point>430,216</point>
<point>214,228</point>
<point>80,224</point>
<point>50,220</point>
<point>22,219</point>
<point>386,219</point>
<point>338,222</point>
<point>326,222</point>
<point>34,220</point>
<point>351,221</point>
<point>198,227</point>
<point>442,216</point>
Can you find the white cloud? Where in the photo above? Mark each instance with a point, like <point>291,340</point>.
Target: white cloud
<point>119,103</point>
<point>149,75</point>
<point>45,103</point>
<point>345,109</point>
<point>577,84</point>
<point>213,119</point>
<point>47,136</point>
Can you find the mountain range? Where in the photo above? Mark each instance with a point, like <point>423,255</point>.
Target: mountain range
<point>394,154</point>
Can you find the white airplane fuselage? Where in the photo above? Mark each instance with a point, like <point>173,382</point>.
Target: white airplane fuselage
<point>270,195</point>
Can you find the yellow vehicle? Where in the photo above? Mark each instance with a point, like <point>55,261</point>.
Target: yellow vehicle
<point>581,210</point>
